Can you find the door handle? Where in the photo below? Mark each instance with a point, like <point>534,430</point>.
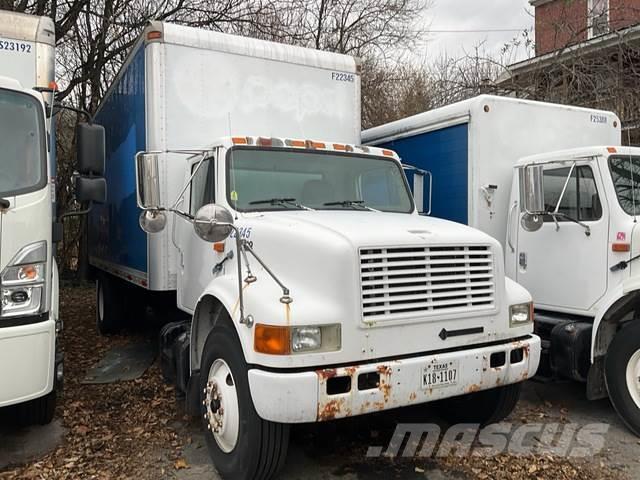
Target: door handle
<point>510,216</point>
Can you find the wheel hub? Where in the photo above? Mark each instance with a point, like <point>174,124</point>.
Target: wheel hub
<point>633,377</point>
<point>222,414</point>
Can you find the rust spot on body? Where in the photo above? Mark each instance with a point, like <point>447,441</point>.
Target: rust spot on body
<point>386,390</point>
<point>384,370</point>
<point>326,373</point>
<point>350,370</point>
<point>413,396</point>
<point>473,388</point>
<point>330,410</point>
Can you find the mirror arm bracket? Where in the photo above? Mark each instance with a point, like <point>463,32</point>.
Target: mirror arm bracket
<point>76,213</point>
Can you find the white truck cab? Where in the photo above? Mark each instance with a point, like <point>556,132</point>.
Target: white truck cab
<point>30,365</point>
<point>317,291</point>
<point>577,253</point>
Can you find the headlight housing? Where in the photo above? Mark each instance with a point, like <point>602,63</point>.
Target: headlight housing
<point>286,340</point>
<point>520,314</point>
<point>22,282</point>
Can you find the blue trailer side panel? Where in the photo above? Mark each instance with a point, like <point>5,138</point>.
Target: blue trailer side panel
<point>114,234</point>
<point>445,153</point>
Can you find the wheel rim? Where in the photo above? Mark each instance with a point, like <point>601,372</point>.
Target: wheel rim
<point>633,377</point>
<point>100,302</point>
<point>221,405</point>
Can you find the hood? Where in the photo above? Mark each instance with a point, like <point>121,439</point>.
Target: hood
<point>366,228</point>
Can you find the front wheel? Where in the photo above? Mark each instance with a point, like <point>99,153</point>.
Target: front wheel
<point>241,444</point>
<point>39,411</point>
<point>484,407</point>
<point>622,375</point>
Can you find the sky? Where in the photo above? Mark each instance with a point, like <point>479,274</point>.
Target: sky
<point>475,15</point>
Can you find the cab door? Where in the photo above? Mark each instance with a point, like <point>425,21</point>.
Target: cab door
<point>560,264</point>
<point>196,257</point>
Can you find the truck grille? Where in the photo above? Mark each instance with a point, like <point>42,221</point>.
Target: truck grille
<point>402,282</point>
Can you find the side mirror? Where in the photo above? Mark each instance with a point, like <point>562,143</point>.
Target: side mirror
<point>90,189</point>
<point>90,149</point>
<point>419,179</point>
<point>148,181</point>
<point>213,223</point>
<point>532,188</point>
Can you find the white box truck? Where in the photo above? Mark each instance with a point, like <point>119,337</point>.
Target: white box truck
<point>571,243</point>
<point>312,287</point>
<point>31,366</point>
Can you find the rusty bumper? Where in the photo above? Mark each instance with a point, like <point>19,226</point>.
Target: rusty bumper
<point>327,394</point>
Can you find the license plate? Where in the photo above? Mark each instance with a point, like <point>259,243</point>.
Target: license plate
<point>440,374</point>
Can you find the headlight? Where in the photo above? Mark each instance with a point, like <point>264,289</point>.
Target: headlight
<point>285,340</point>
<point>520,314</point>
<point>22,282</point>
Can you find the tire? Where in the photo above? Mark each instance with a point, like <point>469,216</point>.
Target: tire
<point>109,305</point>
<point>622,375</point>
<point>258,448</point>
<point>485,407</point>
<point>39,411</point>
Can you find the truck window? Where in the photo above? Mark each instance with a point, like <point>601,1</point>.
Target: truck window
<point>202,186</point>
<point>625,173</point>
<point>313,179</point>
<point>22,136</point>
<point>580,201</point>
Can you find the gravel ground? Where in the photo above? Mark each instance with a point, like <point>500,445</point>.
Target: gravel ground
<point>137,430</point>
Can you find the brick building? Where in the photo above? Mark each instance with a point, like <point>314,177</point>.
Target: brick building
<point>560,23</point>
<point>587,52</point>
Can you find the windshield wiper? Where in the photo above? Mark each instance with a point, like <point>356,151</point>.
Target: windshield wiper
<point>351,203</point>
<point>587,229</point>
<point>280,201</point>
<point>4,203</point>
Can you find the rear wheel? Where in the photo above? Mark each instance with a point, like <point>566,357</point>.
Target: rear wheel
<point>485,407</point>
<point>241,444</point>
<point>109,305</point>
<point>622,375</point>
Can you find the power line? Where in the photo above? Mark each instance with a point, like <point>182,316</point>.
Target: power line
<point>487,30</point>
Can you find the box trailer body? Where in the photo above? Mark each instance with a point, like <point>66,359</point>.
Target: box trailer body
<point>30,365</point>
<point>325,294</point>
<point>470,147</point>
<point>576,251</point>
<point>187,87</point>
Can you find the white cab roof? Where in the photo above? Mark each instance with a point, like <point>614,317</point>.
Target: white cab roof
<point>578,153</point>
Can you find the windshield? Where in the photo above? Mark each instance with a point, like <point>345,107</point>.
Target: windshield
<point>22,141</point>
<point>279,179</point>
<point>625,172</point>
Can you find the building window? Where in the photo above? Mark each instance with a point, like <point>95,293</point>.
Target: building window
<point>598,17</point>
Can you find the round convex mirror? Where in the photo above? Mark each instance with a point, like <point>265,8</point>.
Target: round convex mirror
<point>531,222</point>
<point>152,221</point>
<point>208,220</point>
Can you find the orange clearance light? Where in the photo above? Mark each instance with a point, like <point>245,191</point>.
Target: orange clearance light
<point>339,146</point>
<point>312,144</point>
<point>218,247</point>
<point>239,140</point>
<point>154,35</point>
<point>264,142</point>
<point>611,150</point>
<point>620,247</point>
<point>296,143</point>
<point>53,85</point>
<point>272,339</point>
<point>388,153</point>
